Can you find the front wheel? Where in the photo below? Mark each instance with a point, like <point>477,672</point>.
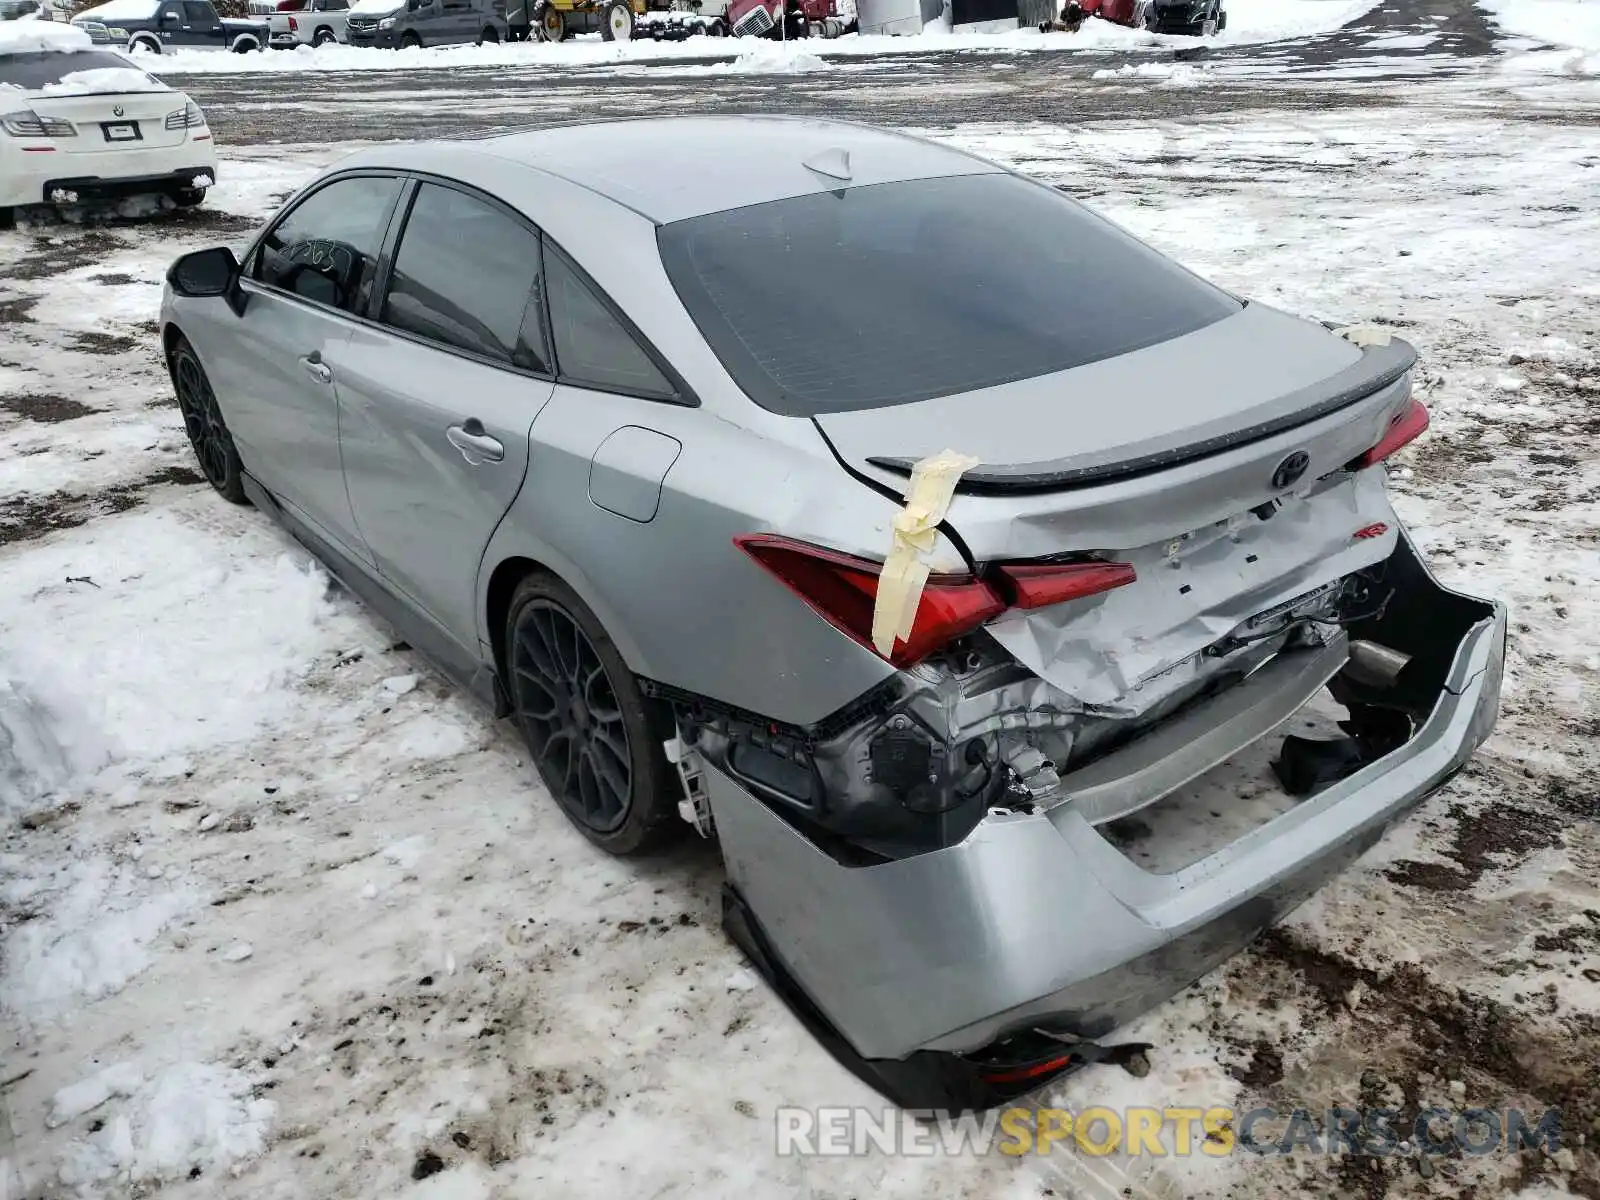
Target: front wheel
<point>489,35</point>
<point>202,421</point>
<point>595,738</point>
<point>618,25</point>
<point>8,218</point>
<point>553,25</point>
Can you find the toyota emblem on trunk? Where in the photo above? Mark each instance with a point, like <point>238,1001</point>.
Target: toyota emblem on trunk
<point>1290,469</point>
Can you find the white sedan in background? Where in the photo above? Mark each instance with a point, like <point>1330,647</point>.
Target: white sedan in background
<point>79,124</point>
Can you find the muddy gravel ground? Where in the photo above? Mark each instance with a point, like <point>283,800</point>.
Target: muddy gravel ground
<point>441,987</point>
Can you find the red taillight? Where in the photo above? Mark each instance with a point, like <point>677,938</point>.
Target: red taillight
<point>1039,585</point>
<point>294,26</point>
<point>1403,430</point>
<point>843,590</point>
<point>1023,1074</point>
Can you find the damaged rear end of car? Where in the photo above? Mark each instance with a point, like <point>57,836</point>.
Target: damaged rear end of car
<point>1173,664</point>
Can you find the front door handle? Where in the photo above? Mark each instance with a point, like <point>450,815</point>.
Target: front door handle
<point>316,368</point>
<point>475,445</point>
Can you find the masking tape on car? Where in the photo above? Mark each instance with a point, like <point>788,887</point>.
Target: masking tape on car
<point>916,532</point>
<point>1365,335</point>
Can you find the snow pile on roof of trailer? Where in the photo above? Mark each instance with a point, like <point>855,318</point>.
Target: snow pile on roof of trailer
<point>29,35</point>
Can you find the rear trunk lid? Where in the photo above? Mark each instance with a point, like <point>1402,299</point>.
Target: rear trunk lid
<point>109,117</point>
<point>1212,462</point>
<point>1228,382</point>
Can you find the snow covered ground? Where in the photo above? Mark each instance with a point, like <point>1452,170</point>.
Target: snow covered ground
<point>286,916</point>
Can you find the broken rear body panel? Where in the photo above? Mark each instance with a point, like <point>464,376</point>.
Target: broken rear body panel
<point>936,869</point>
<point>1034,920</point>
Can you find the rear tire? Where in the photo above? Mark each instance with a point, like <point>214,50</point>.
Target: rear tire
<point>188,197</point>
<point>144,43</point>
<point>594,736</point>
<point>716,29</point>
<point>553,25</point>
<point>410,41</point>
<point>202,421</point>
<point>617,25</point>
<point>8,218</point>
<point>245,45</point>
<point>489,35</point>
<point>324,36</point>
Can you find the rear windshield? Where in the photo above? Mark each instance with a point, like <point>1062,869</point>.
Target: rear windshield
<point>897,292</point>
<point>34,71</point>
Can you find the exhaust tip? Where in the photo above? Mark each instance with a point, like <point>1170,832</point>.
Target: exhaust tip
<point>1374,665</point>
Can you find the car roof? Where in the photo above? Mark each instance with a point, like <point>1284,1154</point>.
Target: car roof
<point>671,168</point>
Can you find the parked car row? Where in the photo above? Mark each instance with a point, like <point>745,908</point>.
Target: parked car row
<point>154,26</point>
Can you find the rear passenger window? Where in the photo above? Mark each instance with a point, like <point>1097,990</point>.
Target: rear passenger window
<point>326,249</point>
<point>467,275</point>
<point>593,349</point>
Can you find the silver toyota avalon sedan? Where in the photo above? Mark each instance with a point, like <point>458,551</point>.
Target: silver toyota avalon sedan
<point>880,512</point>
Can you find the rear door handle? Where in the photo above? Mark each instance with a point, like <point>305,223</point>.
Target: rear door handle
<point>475,445</point>
<point>316,368</point>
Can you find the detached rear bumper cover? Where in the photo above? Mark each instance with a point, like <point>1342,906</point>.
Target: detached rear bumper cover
<point>1037,921</point>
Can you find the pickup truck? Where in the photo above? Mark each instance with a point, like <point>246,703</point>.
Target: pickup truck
<point>308,23</point>
<point>156,25</point>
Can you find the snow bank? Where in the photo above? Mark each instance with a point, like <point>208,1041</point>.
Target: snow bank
<point>1571,23</point>
<point>1168,75</point>
<point>34,758</point>
<point>33,36</point>
<point>104,81</point>
<point>96,938</point>
<point>1275,20</point>
<point>191,1119</point>
<point>774,58</point>
<point>1249,21</point>
<point>174,647</point>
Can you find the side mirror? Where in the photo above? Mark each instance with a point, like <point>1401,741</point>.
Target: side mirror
<point>213,272</point>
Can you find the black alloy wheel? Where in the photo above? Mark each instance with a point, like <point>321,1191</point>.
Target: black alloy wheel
<point>594,737</point>
<point>202,421</point>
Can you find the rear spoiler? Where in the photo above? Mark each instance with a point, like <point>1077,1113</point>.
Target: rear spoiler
<point>1376,369</point>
